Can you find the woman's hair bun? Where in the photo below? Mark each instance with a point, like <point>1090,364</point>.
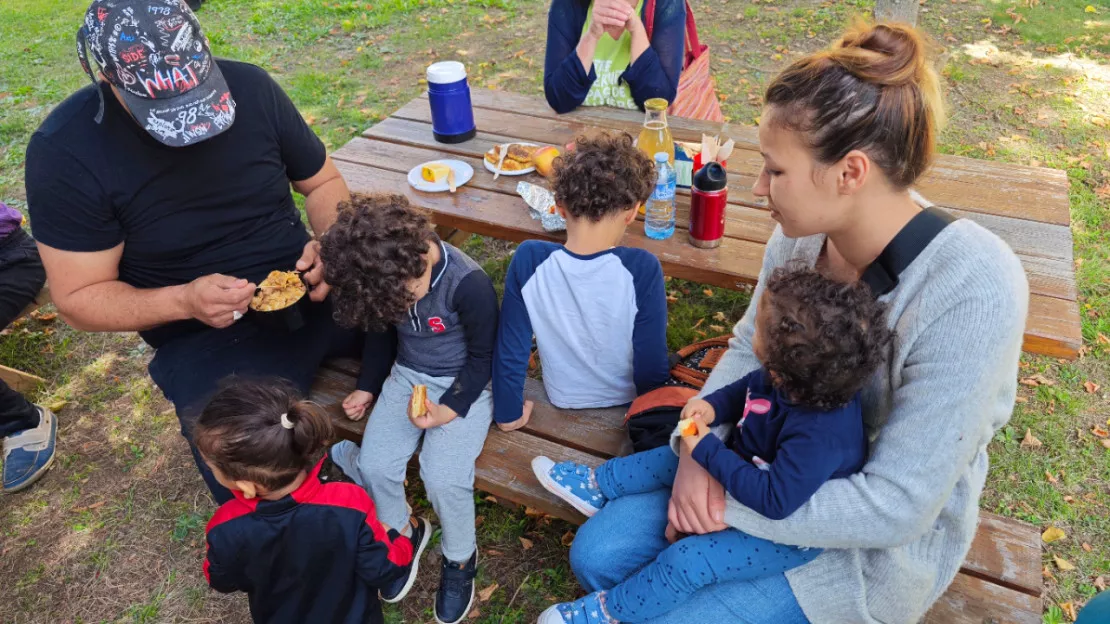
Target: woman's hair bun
<point>887,54</point>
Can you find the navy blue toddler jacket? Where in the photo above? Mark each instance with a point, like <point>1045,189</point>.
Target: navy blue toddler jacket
<point>780,453</point>
<point>317,555</point>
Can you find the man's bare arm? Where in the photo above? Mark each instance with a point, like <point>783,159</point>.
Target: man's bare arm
<point>322,193</point>
<point>86,289</point>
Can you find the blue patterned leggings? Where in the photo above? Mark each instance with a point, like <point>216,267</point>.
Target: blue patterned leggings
<point>691,563</point>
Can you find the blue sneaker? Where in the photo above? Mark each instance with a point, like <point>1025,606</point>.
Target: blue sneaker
<point>574,483</point>
<point>398,589</point>
<point>29,453</point>
<point>589,609</point>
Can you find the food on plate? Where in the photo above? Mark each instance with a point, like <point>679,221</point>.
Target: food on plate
<point>688,427</point>
<point>544,158</point>
<point>517,158</point>
<point>417,405</point>
<point>435,172</point>
<point>279,290</point>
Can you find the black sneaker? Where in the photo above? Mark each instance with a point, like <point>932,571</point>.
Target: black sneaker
<point>456,590</point>
<point>397,590</point>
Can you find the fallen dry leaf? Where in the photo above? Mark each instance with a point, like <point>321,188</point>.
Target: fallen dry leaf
<point>1037,380</point>
<point>1100,583</point>
<point>48,318</point>
<point>1030,441</point>
<point>567,539</point>
<point>1105,443</point>
<point>1047,573</point>
<point>1100,432</point>
<point>1091,387</point>
<point>473,615</point>
<point>720,316</point>
<point>1021,399</point>
<point>671,299</point>
<point>532,512</point>
<point>1051,477</point>
<point>1053,534</point>
<point>490,552</point>
<point>717,328</point>
<point>1086,547</point>
<point>1101,339</point>
<point>491,499</point>
<point>484,595</point>
<point>1069,499</point>
<point>708,292</point>
<point>698,324</point>
<point>57,406</point>
<point>1063,564</point>
<point>526,543</point>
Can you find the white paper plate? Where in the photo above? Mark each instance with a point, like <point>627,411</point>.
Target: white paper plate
<point>463,174</point>
<point>492,167</point>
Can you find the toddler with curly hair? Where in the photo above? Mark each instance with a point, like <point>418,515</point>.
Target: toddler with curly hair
<point>799,423</point>
<point>432,316</point>
<point>598,310</point>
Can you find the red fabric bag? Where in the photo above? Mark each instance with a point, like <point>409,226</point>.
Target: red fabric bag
<point>697,91</point>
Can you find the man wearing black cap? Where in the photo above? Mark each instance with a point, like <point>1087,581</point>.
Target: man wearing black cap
<point>160,195</point>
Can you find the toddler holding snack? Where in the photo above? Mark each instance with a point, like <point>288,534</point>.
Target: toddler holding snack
<point>798,424</point>
<point>432,316</point>
<point>598,310</point>
<point>305,547</point>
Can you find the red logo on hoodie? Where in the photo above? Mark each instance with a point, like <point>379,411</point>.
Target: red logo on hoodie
<point>436,324</point>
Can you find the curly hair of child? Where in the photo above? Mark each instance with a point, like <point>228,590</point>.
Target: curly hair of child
<point>603,175</point>
<point>823,339</point>
<point>376,248</point>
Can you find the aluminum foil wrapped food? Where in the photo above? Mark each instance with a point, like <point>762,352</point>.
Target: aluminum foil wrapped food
<point>541,205</point>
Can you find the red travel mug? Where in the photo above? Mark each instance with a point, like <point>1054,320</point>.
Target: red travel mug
<point>708,199</point>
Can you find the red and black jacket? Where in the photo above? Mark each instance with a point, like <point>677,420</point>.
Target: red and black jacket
<point>317,555</point>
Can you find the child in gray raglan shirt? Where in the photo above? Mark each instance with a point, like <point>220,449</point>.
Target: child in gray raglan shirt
<point>432,314</point>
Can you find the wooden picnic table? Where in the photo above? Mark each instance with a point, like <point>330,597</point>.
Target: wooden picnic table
<point>1025,206</point>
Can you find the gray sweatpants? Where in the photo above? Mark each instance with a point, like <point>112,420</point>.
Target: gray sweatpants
<point>447,458</point>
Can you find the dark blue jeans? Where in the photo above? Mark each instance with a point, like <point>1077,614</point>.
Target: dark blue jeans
<point>21,278</point>
<point>681,569</point>
<point>189,369</point>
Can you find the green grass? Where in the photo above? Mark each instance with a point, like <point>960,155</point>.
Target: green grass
<point>1059,25</point>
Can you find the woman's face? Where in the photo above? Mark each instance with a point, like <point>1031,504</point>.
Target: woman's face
<point>801,192</point>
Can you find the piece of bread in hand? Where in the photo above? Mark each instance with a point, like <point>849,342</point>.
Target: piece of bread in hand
<point>417,404</point>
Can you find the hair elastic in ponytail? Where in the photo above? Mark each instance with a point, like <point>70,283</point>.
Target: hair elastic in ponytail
<point>285,422</point>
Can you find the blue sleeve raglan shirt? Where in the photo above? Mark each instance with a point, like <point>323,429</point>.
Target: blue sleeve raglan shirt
<point>654,74</point>
<point>600,323</point>
<point>780,453</point>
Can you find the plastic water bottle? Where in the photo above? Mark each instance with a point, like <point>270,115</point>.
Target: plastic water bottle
<point>659,216</point>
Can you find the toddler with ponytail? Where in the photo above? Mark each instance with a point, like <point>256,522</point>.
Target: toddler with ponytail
<point>305,546</point>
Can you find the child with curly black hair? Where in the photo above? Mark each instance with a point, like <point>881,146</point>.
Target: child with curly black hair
<point>304,543</point>
<point>799,423</point>
<point>598,310</point>
<point>389,271</point>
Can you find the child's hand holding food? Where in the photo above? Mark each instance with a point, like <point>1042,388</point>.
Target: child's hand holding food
<point>356,403</point>
<point>701,410</point>
<point>693,430</point>
<point>425,414</point>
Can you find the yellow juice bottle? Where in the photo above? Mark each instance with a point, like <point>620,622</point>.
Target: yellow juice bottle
<point>655,136</point>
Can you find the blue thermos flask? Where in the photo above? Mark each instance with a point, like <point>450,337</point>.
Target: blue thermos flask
<point>449,95</point>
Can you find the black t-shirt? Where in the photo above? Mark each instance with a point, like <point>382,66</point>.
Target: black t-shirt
<point>222,205</point>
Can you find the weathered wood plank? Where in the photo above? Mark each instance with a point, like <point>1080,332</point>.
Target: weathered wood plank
<point>970,600</point>
<point>971,170</point>
<point>20,381</point>
<point>741,221</point>
<point>1044,249</point>
<point>734,263</point>
<point>1053,327</point>
<point>1008,552</point>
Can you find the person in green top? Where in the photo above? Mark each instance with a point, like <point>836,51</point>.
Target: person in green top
<point>599,53</point>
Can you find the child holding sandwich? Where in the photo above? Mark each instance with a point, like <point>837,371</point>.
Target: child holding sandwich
<point>432,316</point>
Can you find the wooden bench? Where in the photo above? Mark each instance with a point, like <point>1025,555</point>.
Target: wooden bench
<point>1000,582</point>
<point>16,379</point>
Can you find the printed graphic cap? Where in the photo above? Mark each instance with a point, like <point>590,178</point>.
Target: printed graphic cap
<point>154,53</point>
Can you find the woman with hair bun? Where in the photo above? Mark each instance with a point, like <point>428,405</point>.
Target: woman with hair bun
<point>844,135</point>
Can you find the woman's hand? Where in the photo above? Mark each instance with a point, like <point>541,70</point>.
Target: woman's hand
<point>354,406</point>
<point>697,500</point>
<point>610,16</point>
